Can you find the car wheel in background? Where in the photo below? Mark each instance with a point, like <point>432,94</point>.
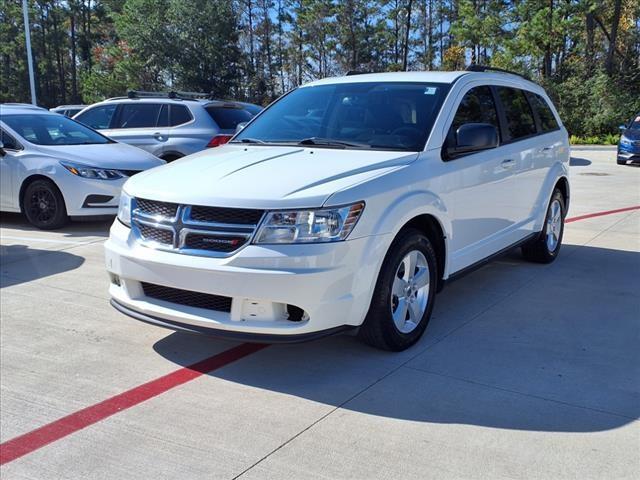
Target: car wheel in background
<point>44,206</point>
<point>171,157</point>
<point>404,295</point>
<point>546,246</point>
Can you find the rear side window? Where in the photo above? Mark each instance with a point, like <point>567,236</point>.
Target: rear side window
<point>548,122</point>
<point>477,106</point>
<point>520,121</point>
<point>98,117</point>
<point>228,118</point>
<point>179,114</point>
<point>143,115</point>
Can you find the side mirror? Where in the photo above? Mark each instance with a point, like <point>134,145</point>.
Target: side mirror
<point>622,128</point>
<point>2,150</point>
<point>471,138</point>
<point>240,126</point>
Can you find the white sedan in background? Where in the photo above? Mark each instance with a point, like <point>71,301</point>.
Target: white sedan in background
<point>53,168</point>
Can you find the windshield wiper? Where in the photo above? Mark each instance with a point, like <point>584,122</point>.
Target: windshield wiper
<point>248,140</point>
<point>327,142</point>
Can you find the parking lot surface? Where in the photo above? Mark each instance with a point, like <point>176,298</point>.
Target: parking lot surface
<point>526,371</point>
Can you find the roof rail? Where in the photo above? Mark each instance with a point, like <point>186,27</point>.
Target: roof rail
<point>484,68</point>
<point>171,94</point>
<point>355,72</point>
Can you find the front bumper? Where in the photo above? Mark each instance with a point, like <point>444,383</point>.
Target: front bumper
<point>628,154</point>
<point>331,282</point>
<point>88,197</point>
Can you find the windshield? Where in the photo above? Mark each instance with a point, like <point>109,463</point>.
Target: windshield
<point>635,124</point>
<point>384,116</point>
<point>53,130</point>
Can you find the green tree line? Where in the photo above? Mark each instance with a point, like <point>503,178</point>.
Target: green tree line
<point>586,53</point>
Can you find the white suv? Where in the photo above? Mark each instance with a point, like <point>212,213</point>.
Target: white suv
<point>347,203</point>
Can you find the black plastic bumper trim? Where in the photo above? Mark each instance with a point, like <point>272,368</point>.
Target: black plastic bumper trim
<point>91,200</point>
<point>226,334</point>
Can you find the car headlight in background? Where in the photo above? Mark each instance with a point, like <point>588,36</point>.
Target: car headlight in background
<point>309,226</point>
<point>124,208</point>
<point>85,171</point>
<point>624,140</point>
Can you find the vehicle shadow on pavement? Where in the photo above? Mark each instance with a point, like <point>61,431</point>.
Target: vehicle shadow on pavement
<point>97,228</point>
<point>512,346</point>
<point>34,264</point>
<point>579,162</point>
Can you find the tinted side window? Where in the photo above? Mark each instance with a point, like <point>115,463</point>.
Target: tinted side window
<point>548,122</point>
<point>179,115</point>
<point>228,118</point>
<point>520,122</point>
<point>477,106</point>
<point>143,115</point>
<point>163,118</point>
<point>8,141</point>
<point>98,117</point>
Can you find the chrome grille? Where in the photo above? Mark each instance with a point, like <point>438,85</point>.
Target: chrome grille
<point>153,208</point>
<point>215,243</point>
<point>187,297</point>
<point>154,234</point>
<point>225,215</point>
<point>193,229</point>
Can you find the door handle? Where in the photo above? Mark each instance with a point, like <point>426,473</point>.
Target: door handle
<point>546,149</point>
<point>158,136</point>
<point>507,164</point>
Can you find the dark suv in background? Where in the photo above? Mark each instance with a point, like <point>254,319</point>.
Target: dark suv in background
<point>629,144</point>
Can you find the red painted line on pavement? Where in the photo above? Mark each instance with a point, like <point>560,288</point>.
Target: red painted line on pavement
<point>38,438</point>
<point>600,214</point>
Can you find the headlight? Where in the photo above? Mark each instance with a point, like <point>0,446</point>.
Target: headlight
<point>124,208</point>
<point>310,226</point>
<point>86,171</point>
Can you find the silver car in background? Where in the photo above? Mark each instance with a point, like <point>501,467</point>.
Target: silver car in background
<point>168,125</point>
<point>68,110</point>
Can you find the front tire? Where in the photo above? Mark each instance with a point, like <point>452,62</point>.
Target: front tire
<point>546,246</point>
<point>404,294</point>
<point>44,206</point>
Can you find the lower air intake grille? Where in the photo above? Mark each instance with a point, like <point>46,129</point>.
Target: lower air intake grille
<point>188,298</point>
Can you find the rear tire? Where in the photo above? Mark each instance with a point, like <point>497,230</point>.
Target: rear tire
<point>404,294</point>
<point>43,205</point>
<point>171,157</point>
<point>546,246</point>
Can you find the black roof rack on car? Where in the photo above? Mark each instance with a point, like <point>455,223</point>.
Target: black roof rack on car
<point>355,72</point>
<point>486,68</point>
<point>171,94</point>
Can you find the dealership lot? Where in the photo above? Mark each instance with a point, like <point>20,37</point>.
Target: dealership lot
<point>526,371</point>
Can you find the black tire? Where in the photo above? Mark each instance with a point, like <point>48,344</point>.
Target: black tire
<point>539,249</point>
<point>171,157</point>
<point>44,206</point>
<point>379,329</point>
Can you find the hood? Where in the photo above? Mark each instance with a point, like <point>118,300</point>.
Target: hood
<point>117,156</point>
<point>266,177</point>
<point>631,134</point>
